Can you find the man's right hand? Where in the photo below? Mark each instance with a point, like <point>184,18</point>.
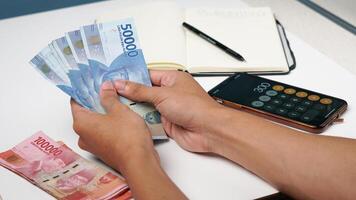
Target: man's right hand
<point>187,111</point>
<point>288,159</point>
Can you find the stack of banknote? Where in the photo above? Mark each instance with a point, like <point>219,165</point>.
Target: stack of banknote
<point>79,62</point>
<point>56,169</point>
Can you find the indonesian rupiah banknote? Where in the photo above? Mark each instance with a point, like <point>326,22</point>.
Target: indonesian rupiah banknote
<point>61,172</point>
<point>82,60</point>
<point>124,60</point>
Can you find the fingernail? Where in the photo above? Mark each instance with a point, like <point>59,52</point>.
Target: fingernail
<point>107,85</point>
<point>120,85</point>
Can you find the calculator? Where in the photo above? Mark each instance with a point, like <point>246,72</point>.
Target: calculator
<point>293,106</point>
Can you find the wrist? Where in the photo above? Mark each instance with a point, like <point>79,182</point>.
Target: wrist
<point>136,158</point>
<point>224,130</point>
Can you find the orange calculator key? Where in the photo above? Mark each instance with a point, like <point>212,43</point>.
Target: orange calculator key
<point>326,101</point>
<point>301,94</point>
<point>289,91</point>
<point>313,97</point>
<point>278,88</point>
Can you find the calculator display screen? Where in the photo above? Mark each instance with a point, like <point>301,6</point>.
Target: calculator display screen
<point>277,98</point>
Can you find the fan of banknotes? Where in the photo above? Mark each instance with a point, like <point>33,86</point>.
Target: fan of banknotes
<point>59,171</point>
<point>79,62</point>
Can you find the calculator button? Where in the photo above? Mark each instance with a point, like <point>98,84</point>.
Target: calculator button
<point>293,114</point>
<point>289,91</point>
<point>326,101</point>
<point>319,107</point>
<point>306,118</point>
<point>313,97</point>
<point>295,100</point>
<point>277,102</point>
<point>283,96</point>
<point>278,87</point>
<point>301,94</point>
<point>288,105</point>
<point>271,93</point>
<point>257,104</point>
<point>264,98</point>
<point>301,108</point>
<point>309,115</point>
<point>281,111</point>
<point>269,107</point>
<point>307,103</point>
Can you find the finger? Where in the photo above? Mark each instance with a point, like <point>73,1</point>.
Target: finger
<point>167,126</point>
<point>108,97</point>
<point>83,119</point>
<point>137,92</point>
<point>82,144</point>
<point>156,76</point>
<point>163,78</point>
<point>78,111</point>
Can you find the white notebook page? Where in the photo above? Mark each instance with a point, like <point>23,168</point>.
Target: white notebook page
<point>251,32</point>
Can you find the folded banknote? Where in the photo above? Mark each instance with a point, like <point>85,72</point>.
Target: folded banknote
<point>56,169</point>
<point>79,62</point>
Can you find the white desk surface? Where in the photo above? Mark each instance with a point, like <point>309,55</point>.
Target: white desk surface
<point>30,103</point>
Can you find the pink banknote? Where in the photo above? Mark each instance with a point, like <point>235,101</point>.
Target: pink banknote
<point>61,172</point>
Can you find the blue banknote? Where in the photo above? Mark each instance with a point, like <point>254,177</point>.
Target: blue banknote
<point>124,60</point>
<point>69,84</point>
<point>76,44</point>
<point>77,78</point>
<point>94,50</point>
<point>73,74</point>
<point>82,60</point>
<point>43,66</point>
<point>124,57</point>
<point>61,45</point>
<point>50,58</point>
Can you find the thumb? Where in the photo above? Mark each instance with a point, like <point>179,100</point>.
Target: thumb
<point>108,96</point>
<point>137,92</point>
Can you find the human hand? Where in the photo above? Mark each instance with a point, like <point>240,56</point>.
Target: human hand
<point>187,111</point>
<point>117,137</point>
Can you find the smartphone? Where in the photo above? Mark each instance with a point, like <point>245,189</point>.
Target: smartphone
<point>286,104</point>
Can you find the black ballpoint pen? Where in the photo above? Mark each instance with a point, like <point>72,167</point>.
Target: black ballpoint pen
<point>214,42</point>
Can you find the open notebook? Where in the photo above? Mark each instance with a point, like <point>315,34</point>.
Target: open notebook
<point>252,32</point>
